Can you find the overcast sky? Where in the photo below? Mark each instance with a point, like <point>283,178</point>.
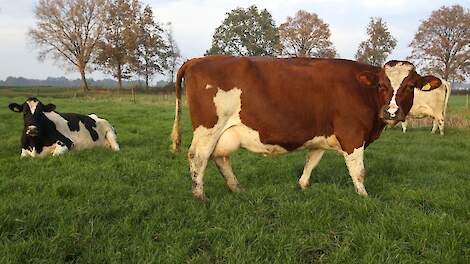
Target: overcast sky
<point>194,22</point>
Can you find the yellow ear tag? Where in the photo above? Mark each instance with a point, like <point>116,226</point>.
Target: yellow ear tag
<point>426,87</point>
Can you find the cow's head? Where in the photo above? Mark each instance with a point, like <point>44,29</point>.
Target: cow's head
<point>33,112</point>
<point>395,82</point>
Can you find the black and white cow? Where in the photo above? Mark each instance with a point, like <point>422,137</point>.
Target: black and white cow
<point>49,132</point>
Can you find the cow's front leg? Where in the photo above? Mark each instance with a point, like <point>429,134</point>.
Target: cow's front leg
<point>439,122</point>
<point>313,158</point>
<point>355,164</point>
<point>24,153</point>
<point>434,126</point>
<point>59,149</point>
<point>404,125</point>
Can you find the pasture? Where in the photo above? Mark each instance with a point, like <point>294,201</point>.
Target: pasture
<point>136,206</point>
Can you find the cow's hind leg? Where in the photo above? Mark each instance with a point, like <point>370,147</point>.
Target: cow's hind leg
<point>438,122</point>
<point>313,158</point>
<point>355,164</point>
<point>223,164</point>
<point>201,148</point>
<point>228,142</point>
<point>441,126</point>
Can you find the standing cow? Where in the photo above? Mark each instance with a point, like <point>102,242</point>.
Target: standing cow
<point>430,104</point>
<point>49,132</point>
<point>274,106</point>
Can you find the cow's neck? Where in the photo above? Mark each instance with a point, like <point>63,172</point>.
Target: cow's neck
<point>378,123</point>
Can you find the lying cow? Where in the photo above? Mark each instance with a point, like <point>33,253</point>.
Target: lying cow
<point>46,131</point>
<point>274,106</point>
<point>430,104</point>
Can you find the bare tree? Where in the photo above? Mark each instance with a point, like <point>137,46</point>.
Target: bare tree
<point>442,43</point>
<point>118,44</point>
<point>174,56</point>
<point>378,46</point>
<point>69,30</point>
<point>306,35</point>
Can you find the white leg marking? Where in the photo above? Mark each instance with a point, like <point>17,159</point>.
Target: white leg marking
<point>198,154</point>
<point>24,153</point>
<point>434,126</point>
<point>59,150</point>
<point>33,153</point>
<point>223,164</point>
<point>313,158</point>
<point>404,124</point>
<point>355,164</point>
<point>440,123</point>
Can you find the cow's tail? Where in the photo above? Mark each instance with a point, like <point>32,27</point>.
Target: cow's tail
<point>448,90</point>
<point>176,133</point>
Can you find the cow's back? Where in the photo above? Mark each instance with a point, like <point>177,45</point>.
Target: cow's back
<point>83,131</point>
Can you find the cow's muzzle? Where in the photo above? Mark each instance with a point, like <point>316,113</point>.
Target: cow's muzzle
<point>32,131</point>
<point>396,115</point>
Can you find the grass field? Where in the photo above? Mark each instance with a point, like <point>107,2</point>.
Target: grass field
<point>136,206</point>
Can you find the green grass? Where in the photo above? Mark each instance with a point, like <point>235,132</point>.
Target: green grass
<point>136,206</point>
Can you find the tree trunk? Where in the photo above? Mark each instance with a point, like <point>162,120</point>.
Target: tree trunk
<point>119,76</point>
<point>146,79</point>
<point>84,82</point>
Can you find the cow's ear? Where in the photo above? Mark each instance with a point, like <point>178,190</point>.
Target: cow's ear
<point>428,83</point>
<point>49,108</point>
<point>368,78</point>
<point>16,107</point>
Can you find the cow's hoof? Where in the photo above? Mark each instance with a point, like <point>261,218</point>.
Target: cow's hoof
<point>201,197</point>
<point>235,189</point>
<point>362,192</point>
<point>303,186</point>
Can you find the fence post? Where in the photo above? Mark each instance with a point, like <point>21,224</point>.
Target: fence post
<point>133,94</point>
<point>466,104</point>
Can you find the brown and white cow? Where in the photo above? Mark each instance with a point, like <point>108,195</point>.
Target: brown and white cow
<point>274,106</point>
<point>430,104</point>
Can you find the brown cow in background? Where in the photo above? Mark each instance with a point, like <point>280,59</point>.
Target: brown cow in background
<point>274,106</point>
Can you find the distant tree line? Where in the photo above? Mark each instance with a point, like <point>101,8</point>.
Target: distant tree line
<point>118,37</point>
<point>65,82</point>
<point>122,38</point>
